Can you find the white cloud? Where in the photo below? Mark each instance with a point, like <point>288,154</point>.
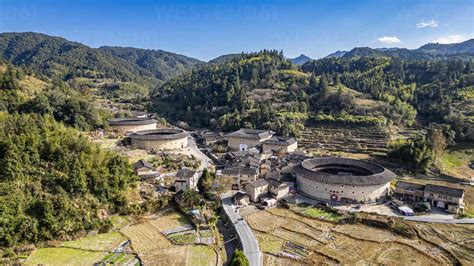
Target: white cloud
<point>429,23</point>
<point>389,40</point>
<point>451,39</point>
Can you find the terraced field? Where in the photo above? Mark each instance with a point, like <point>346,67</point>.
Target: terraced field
<point>155,249</point>
<point>361,139</point>
<point>331,243</point>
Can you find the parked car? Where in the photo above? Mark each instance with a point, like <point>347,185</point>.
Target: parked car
<point>405,210</point>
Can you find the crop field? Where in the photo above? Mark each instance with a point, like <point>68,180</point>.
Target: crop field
<point>331,243</point>
<point>335,138</point>
<point>99,242</point>
<point>155,249</point>
<point>63,256</point>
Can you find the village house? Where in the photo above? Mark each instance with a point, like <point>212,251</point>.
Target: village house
<point>145,170</point>
<point>280,144</point>
<point>241,199</point>
<point>186,179</point>
<point>239,175</point>
<point>256,189</point>
<point>244,138</point>
<point>277,189</point>
<point>443,197</point>
<point>450,199</point>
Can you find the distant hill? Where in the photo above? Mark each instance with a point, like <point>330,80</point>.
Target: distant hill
<point>466,47</point>
<point>224,58</point>
<point>163,65</point>
<point>425,52</point>
<point>300,60</point>
<point>336,54</point>
<point>60,58</point>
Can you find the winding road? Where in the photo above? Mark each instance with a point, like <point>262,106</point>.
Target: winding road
<point>246,236</point>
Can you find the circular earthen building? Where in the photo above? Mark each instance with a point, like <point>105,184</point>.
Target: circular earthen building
<point>160,139</point>
<point>340,179</point>
<point>130,125</point>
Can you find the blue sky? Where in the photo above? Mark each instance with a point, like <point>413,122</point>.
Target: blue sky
<point>206,29</point>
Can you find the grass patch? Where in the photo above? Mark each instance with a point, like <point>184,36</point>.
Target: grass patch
<point>317,213</point>
<point>201,255</point>
<point>119,222</point>
<point>206,233</point>
<point>99,242</point>
<point>269,243</point>
<point>186,238</point>
<point>63,256</point>
<point>456,160</point>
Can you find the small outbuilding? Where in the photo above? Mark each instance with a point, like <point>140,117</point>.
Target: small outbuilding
<point>186,179</point>
<point>256,189</point>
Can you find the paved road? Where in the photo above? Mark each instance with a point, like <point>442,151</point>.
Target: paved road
<point>193,149</point>
<point>247,238</point>
<point>439,220</point>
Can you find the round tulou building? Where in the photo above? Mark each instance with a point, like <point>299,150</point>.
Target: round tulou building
<point>160,139</point>
<point>340,179</point>
<point>130,125</point>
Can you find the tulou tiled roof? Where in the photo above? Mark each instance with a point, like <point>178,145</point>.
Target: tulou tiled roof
<point>160,134</point>
<point>367,173</point>
<point>131,121</point>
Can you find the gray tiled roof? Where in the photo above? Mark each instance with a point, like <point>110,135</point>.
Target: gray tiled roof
<point>251,133</point>
<point>131,121</point>
<point>455,192</point>
<point>376,174</point>
<point>280,141</point>
<point>258,183</point>
<point>408,185</point>
<point>142,163</point>
<point>234,171</point>
<point>185,173</point>
<point>160,134</point>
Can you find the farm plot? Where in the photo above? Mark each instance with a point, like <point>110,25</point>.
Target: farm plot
<point>154,248</point>
<point>328,243</point>
<point>99,242</point>
<point>63,256</point>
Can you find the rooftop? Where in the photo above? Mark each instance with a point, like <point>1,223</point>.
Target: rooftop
<point>454,192</point>
<point>343,171</point>
<point>280,141</point>
<point>247,133</point>
<point>160,134</point>
<point>185,173</point>
<point>142,164</point>
<point>258,183</point>
<point>131,121</point>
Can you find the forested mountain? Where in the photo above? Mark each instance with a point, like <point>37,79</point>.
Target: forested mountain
<point>54,183</point>
<point>439,90</point>
<point>256,90</point>
<point>59,58</point>
<point>336,54</point>
<point>163,65</point>
<point>426,52</point>
<point>224,58</point>
<point>266,90</point>
<point>300,60</point>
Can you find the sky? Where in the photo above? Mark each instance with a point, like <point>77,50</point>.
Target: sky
<point>206,29</point>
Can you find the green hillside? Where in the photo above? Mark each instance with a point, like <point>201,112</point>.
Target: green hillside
<point>59,58</point>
